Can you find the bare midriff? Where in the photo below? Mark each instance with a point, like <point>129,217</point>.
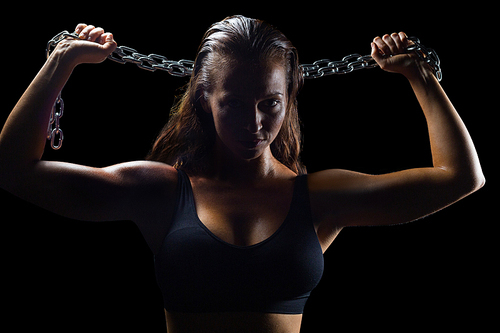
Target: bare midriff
<point>240,322</point>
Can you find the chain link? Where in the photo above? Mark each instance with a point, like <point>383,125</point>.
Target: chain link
<point>428,55</point>
<point>182,68</point>
<point>354,62</point>
<point>54,130</point>
<point>348,64</point>
<point>152,62</point>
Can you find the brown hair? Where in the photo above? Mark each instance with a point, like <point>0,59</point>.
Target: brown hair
<point>188,137</point>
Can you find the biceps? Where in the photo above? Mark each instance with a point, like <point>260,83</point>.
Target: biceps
<point>74,191</point>
<point>402,197</point>
<point>352,199</point>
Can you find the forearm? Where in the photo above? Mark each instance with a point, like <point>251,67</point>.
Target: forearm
<point>23,136</point>
<point>451,145</point>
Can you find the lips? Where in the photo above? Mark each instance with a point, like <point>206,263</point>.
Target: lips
<point>251,144</point>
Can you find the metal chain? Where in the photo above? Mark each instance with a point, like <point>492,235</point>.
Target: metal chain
<point>181,68</point>
<point>152,62</point>
<point>54,129</point>
<point>428,55</point>
<point>354,62</point>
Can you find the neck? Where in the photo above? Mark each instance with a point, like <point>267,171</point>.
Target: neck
<point>227,167</point>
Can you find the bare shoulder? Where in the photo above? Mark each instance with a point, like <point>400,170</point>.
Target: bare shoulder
<point>150,184</point>
<point>329,191</point>
<point>152,202</point>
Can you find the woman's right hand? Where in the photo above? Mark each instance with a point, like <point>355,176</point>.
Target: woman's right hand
<point>93,46</point>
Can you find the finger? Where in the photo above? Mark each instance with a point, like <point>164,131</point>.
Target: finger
<point>95,34</point>
<point>84,34</point>
<point>382,46</point>
<point>106,37</point>
<point>102,38</point>
<point>80,27</point>
<point>406,41</point>
<point>376,53</point>
<point>390,43</point>
<point>109,42</point>
<point>400,48</point>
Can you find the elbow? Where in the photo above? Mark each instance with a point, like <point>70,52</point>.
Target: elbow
<point>470,182</point>
<point>465,178</point>
<point>14,175</point>
<point>8,179</point>
<point>479,182</point>
<point>477,178</point>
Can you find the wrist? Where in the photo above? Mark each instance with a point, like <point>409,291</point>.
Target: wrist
<point>57,69</point>
<point>64,56</point>
<point>420,71</point>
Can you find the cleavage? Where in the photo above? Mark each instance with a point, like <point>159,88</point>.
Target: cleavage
<point>242,217</point>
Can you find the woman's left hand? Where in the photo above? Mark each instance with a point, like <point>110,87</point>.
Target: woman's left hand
<point>390,54</point>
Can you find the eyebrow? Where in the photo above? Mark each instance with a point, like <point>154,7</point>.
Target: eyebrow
<point>230,94</point>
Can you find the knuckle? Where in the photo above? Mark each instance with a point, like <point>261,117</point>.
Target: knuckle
<point>80,27</point>
<point>97,31</point>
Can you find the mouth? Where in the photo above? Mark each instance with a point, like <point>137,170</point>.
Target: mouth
<point>251,144</point>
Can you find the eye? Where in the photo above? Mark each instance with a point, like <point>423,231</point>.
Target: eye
<point>235,103</point>
<point>271,103</point>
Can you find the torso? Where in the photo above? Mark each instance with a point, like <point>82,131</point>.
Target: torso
<point>242,216</point>
<point>263,213</point>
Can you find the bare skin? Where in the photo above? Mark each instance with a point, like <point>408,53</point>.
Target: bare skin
<point>243,166</point>
<point>244,322</point>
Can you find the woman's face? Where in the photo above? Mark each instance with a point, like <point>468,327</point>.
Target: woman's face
<point>248,103</point>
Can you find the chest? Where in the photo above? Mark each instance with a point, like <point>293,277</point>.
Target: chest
<point>242,216</point>
<point>198,273</point>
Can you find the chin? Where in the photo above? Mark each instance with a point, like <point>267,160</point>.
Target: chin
<point>245,151</point>
<point>248,154</point>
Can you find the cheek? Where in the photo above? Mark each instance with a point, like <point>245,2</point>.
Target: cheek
<point>275,123</point>
<point>225,122</point>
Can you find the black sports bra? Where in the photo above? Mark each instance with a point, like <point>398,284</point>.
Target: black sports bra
<point>198,272</point>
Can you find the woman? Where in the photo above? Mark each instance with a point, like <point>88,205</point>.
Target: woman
<point>237,227</point>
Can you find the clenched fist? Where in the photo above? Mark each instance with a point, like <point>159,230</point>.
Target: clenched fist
<point>390,54</point>
<point>92,46</point>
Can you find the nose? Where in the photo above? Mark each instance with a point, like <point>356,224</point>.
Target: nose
<point>253,121</point>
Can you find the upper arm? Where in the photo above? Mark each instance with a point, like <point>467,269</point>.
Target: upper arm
<point>342,198</point>
<point>94,194</point>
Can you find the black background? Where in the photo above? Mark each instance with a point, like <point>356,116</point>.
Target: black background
<point>66,275</point>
